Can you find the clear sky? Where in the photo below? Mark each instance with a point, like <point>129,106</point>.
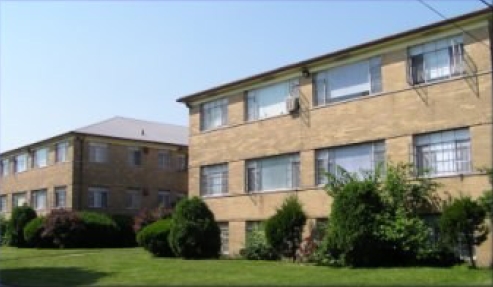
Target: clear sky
<point>67,64</point>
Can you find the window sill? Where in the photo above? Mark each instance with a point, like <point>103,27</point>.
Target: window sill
<point>214,128</point>
<point>451,175</point>
<point>215,195</point>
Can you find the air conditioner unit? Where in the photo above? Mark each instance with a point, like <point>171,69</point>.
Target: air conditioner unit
<point>292,104</point>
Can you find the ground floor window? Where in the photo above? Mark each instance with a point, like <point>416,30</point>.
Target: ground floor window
<point>98,197</point>
<point>3,203</point>
<point>60,197</point>
<point>38,199</point>
<point>19,199</point>
<point>224,227</point>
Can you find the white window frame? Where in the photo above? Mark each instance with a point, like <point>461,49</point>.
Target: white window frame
<point>209,110</point>
<point>16,163</point>
<point>57,195</point>
<point>181,162</point>
<point>135,156</point>
<point>224,229</point>
<point>98,152</point>
<point>255,97</point>
<point>96,197</point>
<point>40,159</point>
<point>5,167</point>
<point>16,196</point>
<point>164,198</point>
<point>61,152</point>
<point>253,173</point>
<point>3,204</point>
<point>35,199</point>
<point>326,161</point>
<point>322,82</point>
<point>164,159</point>
<point>133,199</point>
<point>427,153</point>
<point>210,176</point>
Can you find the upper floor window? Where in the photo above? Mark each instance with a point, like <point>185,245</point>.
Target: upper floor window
<point>164,198</point>
<point>443,153</point>
<point>181,162</point>
<point>436,60</point>
<point>270,100</point>
<point>5,166</point>
<point>358,159</point>
<point>98,197</point>
<point>164,159</point>
<point>348,81</point>
<point>40,157</point>
<point>98,152</point>
<point>20,163</point>
<point>214,179</point>
<point>60,197</point>
<point>38,199</point>
<point>133,199</point>
<point>214,114</point>
<point>273,173</point>
<point>19,199</point>
<point>3,203</point>
<point>134,156</point>
<point>61,152</point>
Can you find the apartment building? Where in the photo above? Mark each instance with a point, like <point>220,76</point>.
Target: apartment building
<point>117,166</point>
<point>422,96</point>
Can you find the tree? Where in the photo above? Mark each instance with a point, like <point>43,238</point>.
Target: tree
<point>284,229</point>
<point>463,220</point>
<point>20,218</point>
<point>194,232</point>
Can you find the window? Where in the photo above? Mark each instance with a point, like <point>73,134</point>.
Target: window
<point>20,163</point>
<point>348,81</point>
<point>40,157</point>
<point>164,159</point>
<point>432,221</point>
<point>443,153</point>
<point>18,199</point>
<point>270,101</point>
<point>133,199</point>
<point>181,162</point>
<point>214,179</point>
<point>98,197</point>
<point>214,114</point>
<point>360,158</point>
<point>436,60</point>
<point>164,199</point>
<point>134,156</point>
<point>224,228</point>
<point>98,152</point>
<point>3,203</point>
<point>319,229</point>
<point>61,152</point>
<point>5,167</point>
<point>273,173</point>
<point>38,199</point>
<point>60,197</point>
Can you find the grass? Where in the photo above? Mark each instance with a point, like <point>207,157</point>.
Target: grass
<point>134,266</point>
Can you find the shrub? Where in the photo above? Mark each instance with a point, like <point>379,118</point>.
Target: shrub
<point>126,234</point>
<point>154,238</point>
<point>4,224</point>
<point>33,233</point>
<point>20,217</point>
<point>146,217</point>
<point>283,230</point>
<point>257,248</point>
<point>194,233</point>
<point>463,220</point>
<point>65,227</point>
<point>100,230</point>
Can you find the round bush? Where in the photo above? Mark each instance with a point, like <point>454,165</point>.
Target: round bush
<point>194,233</point>
<point>33,233</point>
<point>154,238</point>
<point>4,225</point>
<point>257,248</point>
<point>100,230</point>
<point>20,217</point>
<point>126,234</point>
<point>65,228</point>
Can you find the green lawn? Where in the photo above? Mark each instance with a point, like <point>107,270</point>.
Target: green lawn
<point>134,266</point>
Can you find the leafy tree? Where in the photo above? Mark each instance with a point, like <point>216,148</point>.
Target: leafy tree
<point>284,229</point>
<point>194,232</point>
<point>463,219</point>
<point>20,217</point>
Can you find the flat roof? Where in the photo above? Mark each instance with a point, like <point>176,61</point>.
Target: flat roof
<point>302,64</point>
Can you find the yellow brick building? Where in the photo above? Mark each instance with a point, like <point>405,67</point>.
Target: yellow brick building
<point>422,96</point>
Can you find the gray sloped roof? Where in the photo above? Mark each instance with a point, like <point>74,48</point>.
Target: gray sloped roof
<point>134,129</point>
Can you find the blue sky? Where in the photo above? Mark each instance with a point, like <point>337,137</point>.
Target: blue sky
<point>67,64</point>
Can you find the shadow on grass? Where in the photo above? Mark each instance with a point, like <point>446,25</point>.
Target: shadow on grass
<point>49,276</point>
